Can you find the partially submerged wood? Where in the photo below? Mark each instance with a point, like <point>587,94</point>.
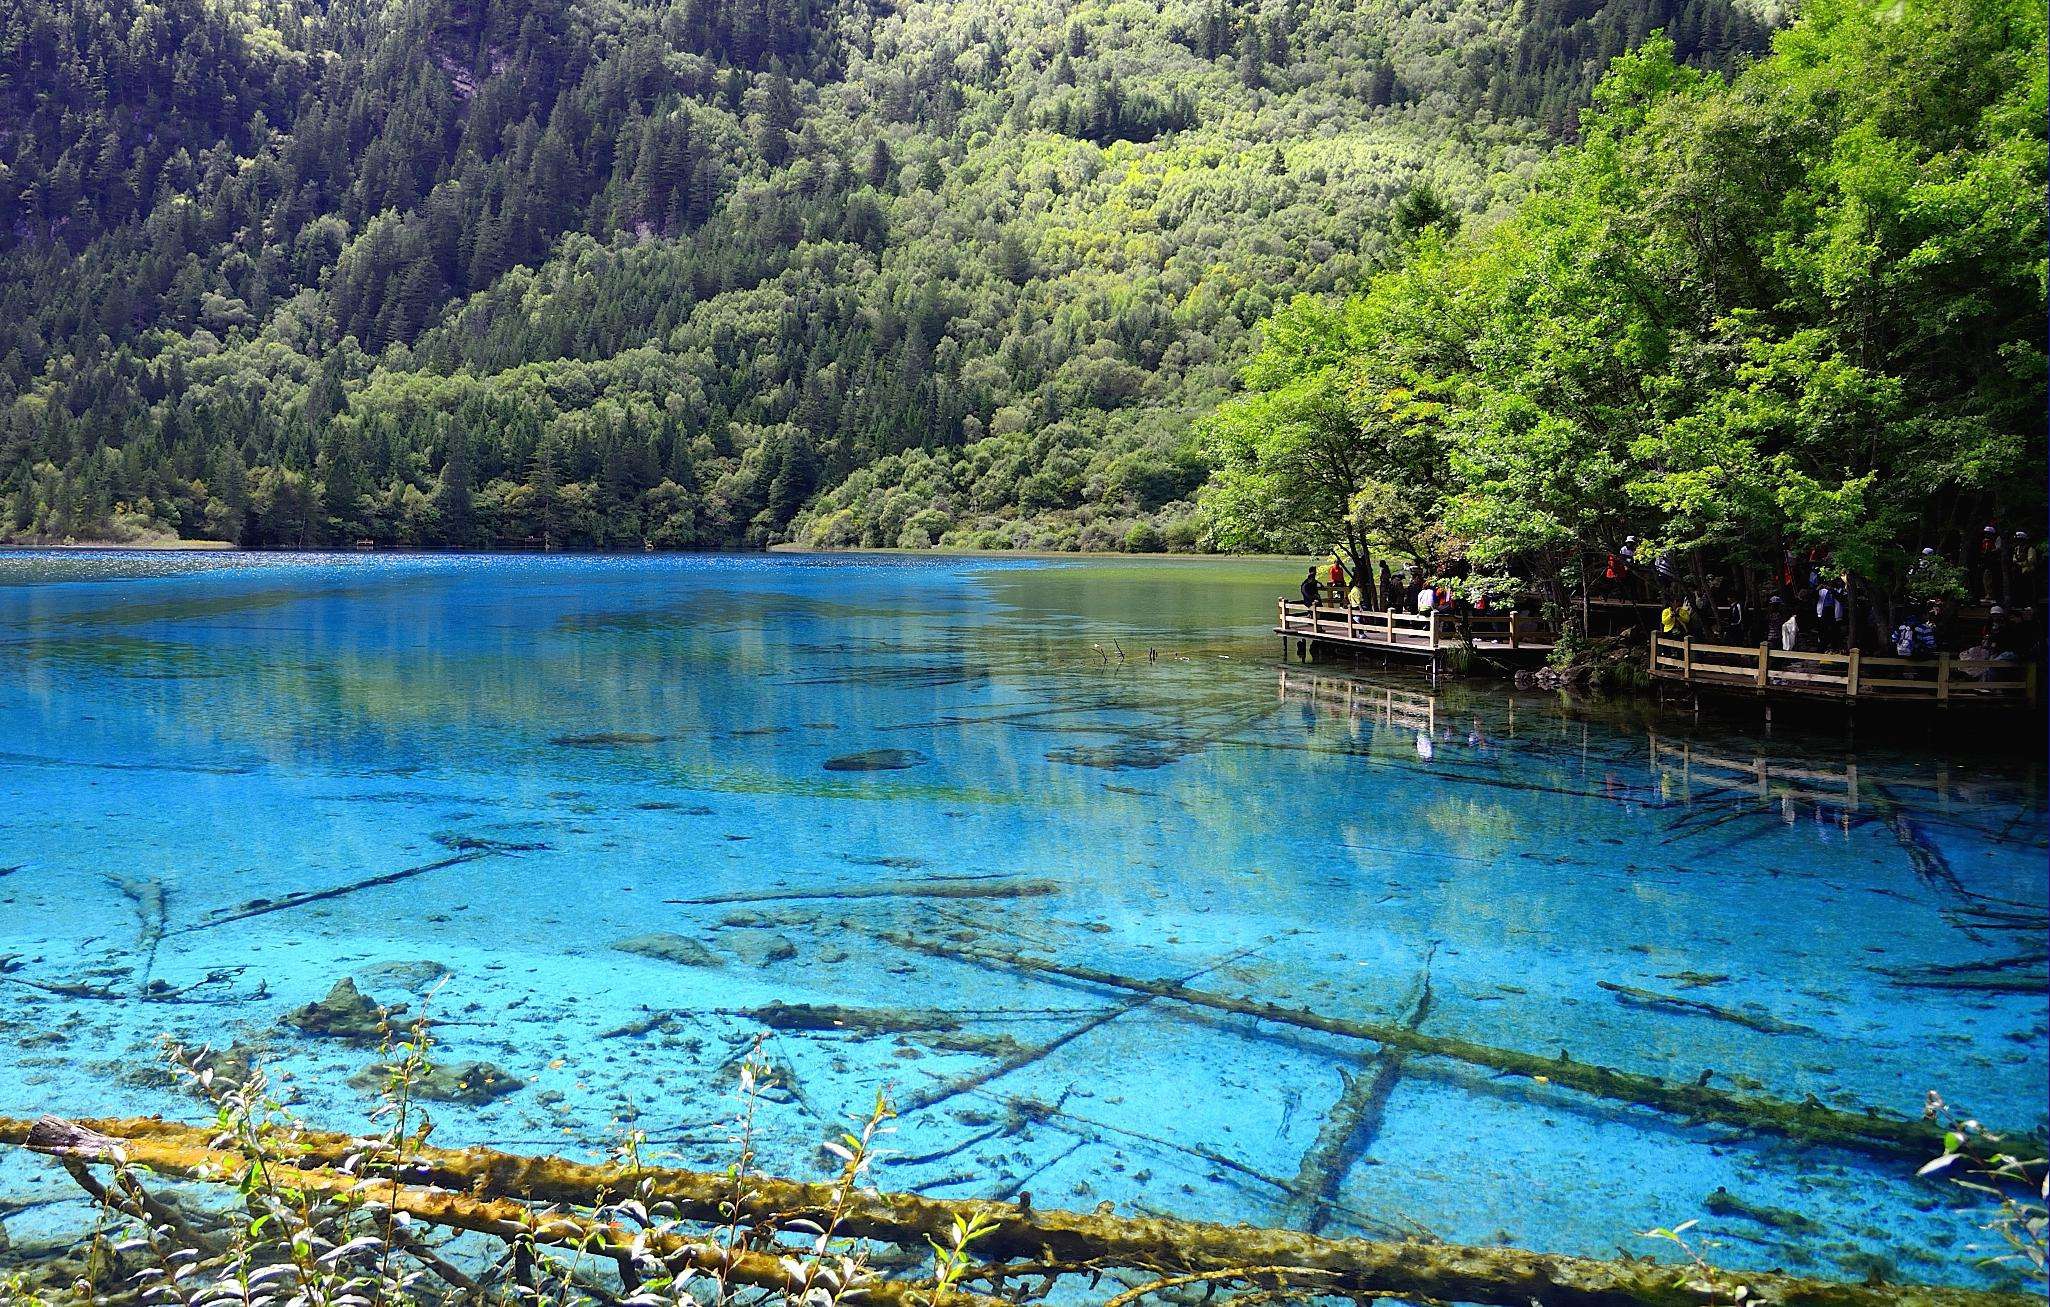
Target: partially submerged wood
<point>937,887</point>
<point>499,1218</point>
<point>1026,1055</point>
<point>1761,1022</point>
<point>264,907</point>
<point>1352,1123</point>
<point>1867,1131</point>
<point>485,1191</point>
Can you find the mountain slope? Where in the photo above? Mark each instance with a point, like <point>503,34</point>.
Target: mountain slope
<point>709,273</point>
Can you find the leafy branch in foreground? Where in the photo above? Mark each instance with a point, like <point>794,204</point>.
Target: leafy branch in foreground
<point>1977,1159</point>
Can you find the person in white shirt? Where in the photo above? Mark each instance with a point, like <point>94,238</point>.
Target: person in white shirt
<point>1426,599</point>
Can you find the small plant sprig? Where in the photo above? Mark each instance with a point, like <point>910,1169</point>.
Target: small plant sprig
<point>950,1262</point>
<point>1699,1274</point>
<point>825,1276</point>
<point>1977,1159</point>
<point>822,1273</point>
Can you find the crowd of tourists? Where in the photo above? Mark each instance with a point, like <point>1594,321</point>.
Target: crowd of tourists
<point>1332,582</point>
<point>1811,604</point>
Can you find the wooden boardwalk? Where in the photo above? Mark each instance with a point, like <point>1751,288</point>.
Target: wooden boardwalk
<point>1762,671</point>
<point>1410,635</point>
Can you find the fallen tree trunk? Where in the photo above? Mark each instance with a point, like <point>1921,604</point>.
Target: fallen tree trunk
<point>1764,1024</point>
<point>263,907</point>
<point>1353,1122</point>
<point>1812,1120</point>
<point>1499,1277</point>
<point>938,887</point>
<point>934,1095</point>
<point>500,1218</point>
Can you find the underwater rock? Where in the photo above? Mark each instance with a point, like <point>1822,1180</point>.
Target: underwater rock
<point>606,739</point>
<point>760,947</point>
<point>344,1014</point>
<point>668,947</point>
<point>475,1083</point>
<point>417,975</point>
<point>877,760</point>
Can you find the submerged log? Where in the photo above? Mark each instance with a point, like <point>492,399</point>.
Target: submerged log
<point>2036,984</point>
<point>1026,1055</point>
<point>499,1218</point>
<point>2021,973</point>
<point>836,1017</point>
<point>1764,1024</point>
<point>438,1186</point>
<point>1093,1130</point>
<point>1352,1124</point>
<point>262,907</point>
<point>938,887</point>
<point>146,895</point>
<point>1867,1131</point>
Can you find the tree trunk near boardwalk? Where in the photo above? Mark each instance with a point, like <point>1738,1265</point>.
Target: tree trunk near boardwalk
<point>1851,623</point>
<point>1362,568</point>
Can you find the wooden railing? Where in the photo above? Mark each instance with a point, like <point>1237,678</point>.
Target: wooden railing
<point>1392,629</point>
<point>1854,675</point>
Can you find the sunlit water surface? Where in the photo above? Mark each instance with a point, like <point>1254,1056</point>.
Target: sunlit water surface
<point>553,751</point>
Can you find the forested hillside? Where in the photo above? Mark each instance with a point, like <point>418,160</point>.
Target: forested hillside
<point>712,273</point>
<point>1794,314</point>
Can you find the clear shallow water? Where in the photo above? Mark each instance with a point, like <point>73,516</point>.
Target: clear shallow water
<point>580,740</point>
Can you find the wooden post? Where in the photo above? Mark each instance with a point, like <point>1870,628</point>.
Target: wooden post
<point>1764,665</point>
<point>1943,678</point>
<point>1434,636</point>
<point>1687,658</point>
<point>1851,675</point>
<point>2030,682</point>
<point>1512,628</point>
<point>1654,655</point>
<point>1391,626</point>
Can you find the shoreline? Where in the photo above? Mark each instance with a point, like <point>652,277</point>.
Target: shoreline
<point>141,546</point>
<point>228,546</point>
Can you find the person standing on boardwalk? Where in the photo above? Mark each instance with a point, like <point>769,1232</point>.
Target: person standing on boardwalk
<point>1310,587</point>
<point>1829,617</point>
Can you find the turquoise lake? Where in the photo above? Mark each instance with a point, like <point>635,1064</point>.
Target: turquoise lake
<point>384,767</point>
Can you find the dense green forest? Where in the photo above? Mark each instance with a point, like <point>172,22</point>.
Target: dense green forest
<point>712,273</point>
<point>1798,311</point>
